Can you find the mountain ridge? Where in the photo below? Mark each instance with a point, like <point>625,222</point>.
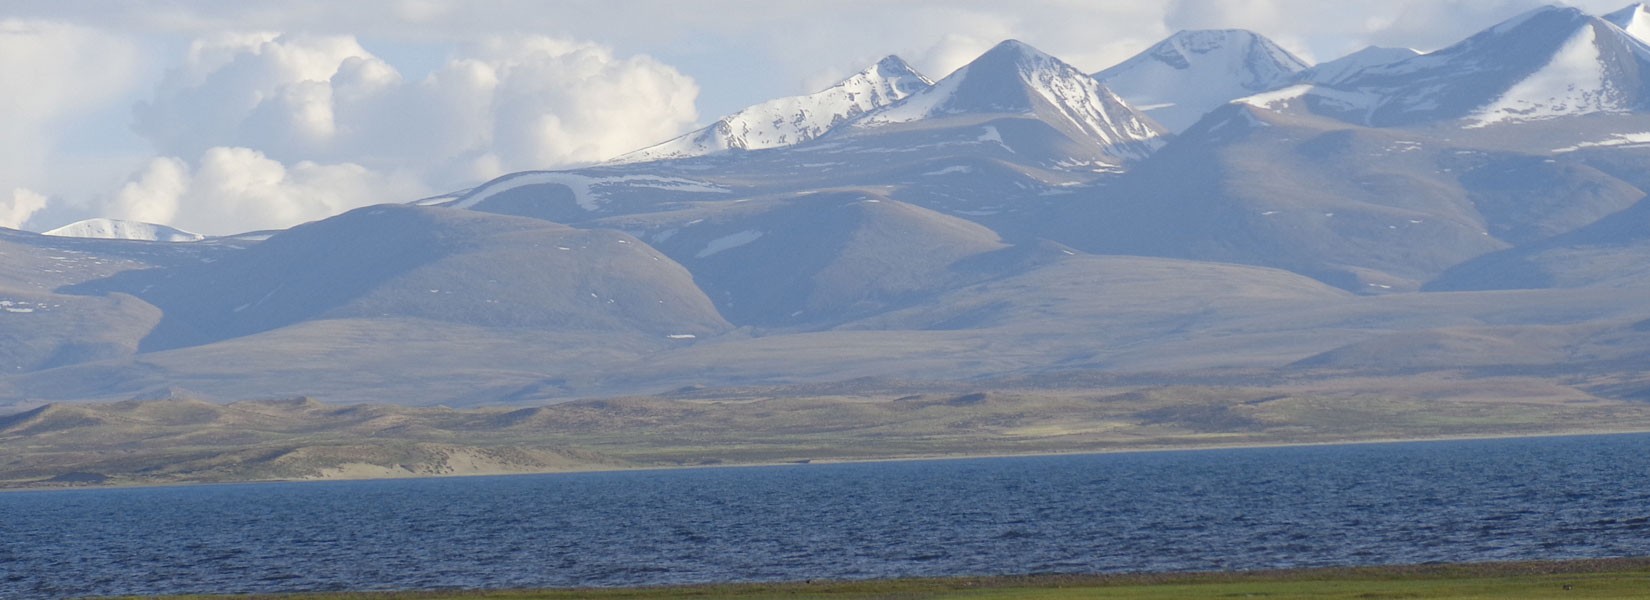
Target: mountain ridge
<point>1346,66</point>
<point>1547,63</point>
<point>1016,219</point>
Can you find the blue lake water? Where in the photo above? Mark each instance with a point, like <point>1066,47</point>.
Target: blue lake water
<point>1541,498</point>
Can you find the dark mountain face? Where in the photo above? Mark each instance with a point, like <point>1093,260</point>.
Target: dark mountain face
<point>43,326</point>
<point>1363,209</point>
<point>1613,251</point>
<point>424,263</point>
<point>820,258</point>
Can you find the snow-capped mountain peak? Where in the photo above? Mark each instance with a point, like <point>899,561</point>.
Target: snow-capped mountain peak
<point>892,68</point>
<point>1546,63</point>
<point>994,82</point>
<point>796,119</point>
<point>1183,77</point>
<point>1577,79</point>
<point>1015,78</point>
<point>1634,19</point>
<point>114,229</point>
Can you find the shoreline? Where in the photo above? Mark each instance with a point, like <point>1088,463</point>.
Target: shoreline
<point>1549,578</point>
<point>1145,448</point>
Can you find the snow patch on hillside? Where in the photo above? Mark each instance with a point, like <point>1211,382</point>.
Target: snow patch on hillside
<point>1339,100</point>
<point>585,188</point>
<point>951,170</point>
<point>1276,99</point>
<point>991,135</point>
<point>1619,139</point>
<point>21,307</point>
<point>728,242</point>
<point>1572,83</point>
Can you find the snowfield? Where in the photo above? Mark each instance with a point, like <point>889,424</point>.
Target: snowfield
<point>728,242</point>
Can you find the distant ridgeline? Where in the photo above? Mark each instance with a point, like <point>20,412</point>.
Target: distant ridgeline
<point>1213,209</point>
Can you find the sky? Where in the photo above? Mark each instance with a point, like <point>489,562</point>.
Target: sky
<point>222,117</point>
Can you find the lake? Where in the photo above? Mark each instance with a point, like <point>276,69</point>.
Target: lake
<point>1259,508</point>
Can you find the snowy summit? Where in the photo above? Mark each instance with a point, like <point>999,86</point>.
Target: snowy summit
<point>1547,63</point>
<point>1015,78</point>
<point>1635,20</point>
<point>1185,76</point>
<point>797,119</point>
<point>114,229</point>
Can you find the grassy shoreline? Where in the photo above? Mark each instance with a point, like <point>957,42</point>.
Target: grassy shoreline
<point>1584,578</point>
<point>186,440</point>
<point>859,460</point>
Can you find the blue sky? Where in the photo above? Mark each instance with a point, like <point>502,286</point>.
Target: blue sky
<point>228,116</point>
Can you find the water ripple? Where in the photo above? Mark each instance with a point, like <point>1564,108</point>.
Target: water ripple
<point>1548,498</point>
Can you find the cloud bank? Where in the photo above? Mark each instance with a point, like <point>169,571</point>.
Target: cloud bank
<point>20,206</point>
<point>262,130</point>
<point>50,75</point>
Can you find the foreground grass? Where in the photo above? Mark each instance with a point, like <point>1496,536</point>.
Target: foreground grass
<point>1614,578</point>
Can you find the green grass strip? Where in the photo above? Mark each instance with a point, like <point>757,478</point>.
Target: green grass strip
<point>1604,578</point>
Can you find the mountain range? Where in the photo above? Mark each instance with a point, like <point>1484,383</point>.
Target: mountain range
<point>1214,210</point>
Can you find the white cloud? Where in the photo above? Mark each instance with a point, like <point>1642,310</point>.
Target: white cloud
<point>528,101</point>
<point>15,211</point>
<point>558,102</point>
<point>231,190</point>
<point>152,196</point>
<point>52,74</point>
<point>259,89</point>
<point>265,130</point>
<point>53,69</point>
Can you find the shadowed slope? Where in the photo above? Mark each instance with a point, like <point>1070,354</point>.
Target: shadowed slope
<point>427,263</point>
